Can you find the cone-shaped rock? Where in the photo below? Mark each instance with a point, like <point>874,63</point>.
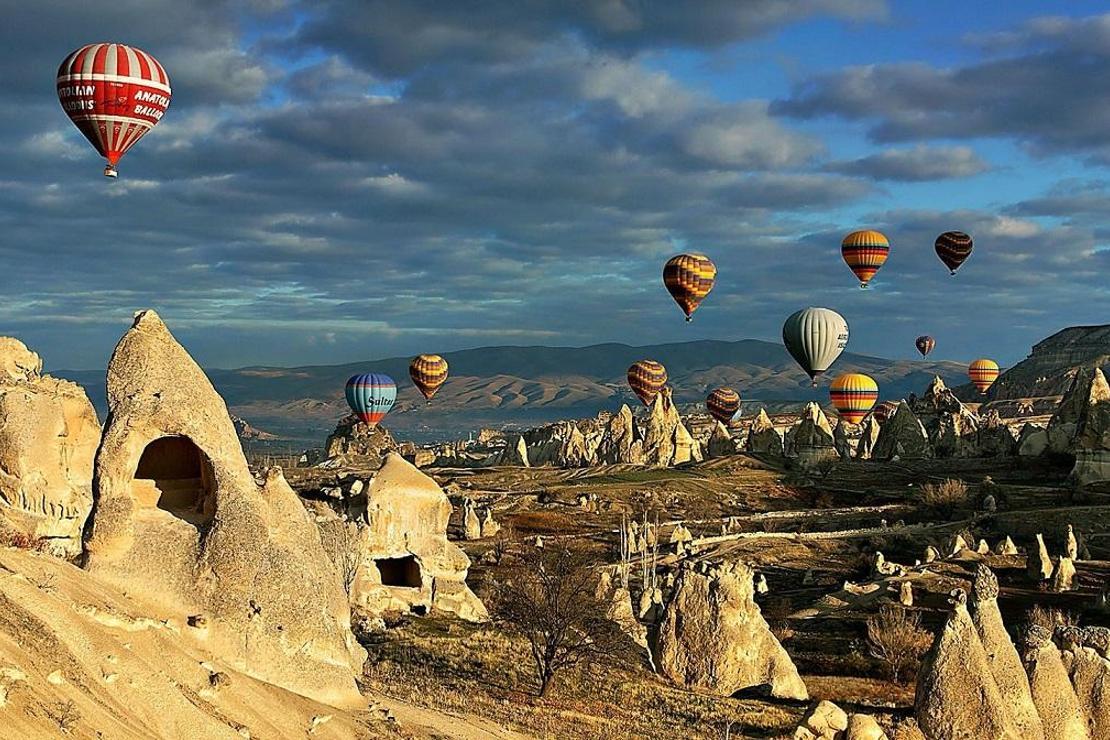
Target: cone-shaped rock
<point>902,436</point>
<point>1052,691</point>
<point>812,437</point>
<point>620,442</point>
<point>763,438</point>
<point>1088,389</point>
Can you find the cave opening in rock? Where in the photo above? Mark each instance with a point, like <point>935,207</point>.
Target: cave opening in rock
<point>403,571</point>
<point>174,475</point>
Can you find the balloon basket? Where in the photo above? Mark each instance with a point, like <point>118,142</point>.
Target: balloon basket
<point>110,171</point>
<point>689,319</point>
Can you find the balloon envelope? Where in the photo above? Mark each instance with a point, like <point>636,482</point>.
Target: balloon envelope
<point>723,404</point>
<point>983,372</point>
<point>953,248</point>
<point>815,337</point>
<point>114,94</point>
<point>689,278</point>
<point>428,373</point>
<point>884,411</point>
<point>646,378</point>
<point>371,396</point>
<point>853,395</point>
<point>925,345</point>
<point>865,252</point>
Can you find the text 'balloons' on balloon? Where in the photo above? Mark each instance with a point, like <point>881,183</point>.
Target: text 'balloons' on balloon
<point>428,373</point>
<point>815,337</point>
<point>884,411</point>
<point>114,94</point>
<point>983,372</point>
<point>925,344</point>
<point>865,252</point>
<point>689,278</point>
<point>722,404</point>
<point>953,248</point>
<point>371,396</point>
<point>853,395</point>
<point>646,378</point>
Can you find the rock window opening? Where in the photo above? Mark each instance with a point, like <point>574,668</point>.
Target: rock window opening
<point>404,572</point>
<point>175,476</point>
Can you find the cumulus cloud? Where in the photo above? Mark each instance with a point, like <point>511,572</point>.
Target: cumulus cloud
<point>915,164</point>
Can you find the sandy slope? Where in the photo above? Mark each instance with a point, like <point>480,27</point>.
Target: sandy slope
<point>80,659</point>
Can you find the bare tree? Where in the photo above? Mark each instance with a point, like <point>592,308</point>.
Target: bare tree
<point>896,638</point>
<point>348,555</point>
<point>550,598</point>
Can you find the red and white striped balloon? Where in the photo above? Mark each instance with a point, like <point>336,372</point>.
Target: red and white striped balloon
<point>114,94</point>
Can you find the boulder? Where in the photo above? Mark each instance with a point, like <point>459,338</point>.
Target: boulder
<point>48,439</point>
<point>354,438</point>
<point>720,442</point>
<point>179,520</point>
<point>1006,547</point>
<point>812,437</point>
<point>714,639</point>
<point>1063,577</point>
<point>620,441</point>
<point>1053,694</point>
<point>863,727</point>
<point>1002,657</point>
<point>763,438</point>
<point>824,721</point>
<point>957,697</point>
<point>902,437</point>
<point>905,593</point>
<point>1071,544</point>
<point>1088,390</point>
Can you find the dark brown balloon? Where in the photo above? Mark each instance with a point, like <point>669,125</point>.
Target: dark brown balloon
<point>723,404</point>
<point>953,248</point>
<point>925,345</point>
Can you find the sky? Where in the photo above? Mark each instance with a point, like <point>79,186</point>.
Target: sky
<point>338,180</point>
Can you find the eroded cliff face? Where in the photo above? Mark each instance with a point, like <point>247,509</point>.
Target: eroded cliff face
<point>1053,363</point>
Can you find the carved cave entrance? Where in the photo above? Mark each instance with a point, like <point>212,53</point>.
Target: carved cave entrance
<point>176,476</point>
<point>403,571</point>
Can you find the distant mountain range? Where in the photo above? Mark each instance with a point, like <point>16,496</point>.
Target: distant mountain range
<point>493,386</point>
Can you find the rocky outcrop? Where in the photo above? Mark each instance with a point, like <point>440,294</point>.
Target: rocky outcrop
<point>1088,390</point>
<point>666,441</point>
<point>48,439</point>
<point>714,639</point>
<point>1002,657</point>
<point>902,437</point>
<point>720,443</point>
<point>994,437</point>
<point>515,454</point>
<point>1054,362</point>
<point>845,438</point>
<point>1039,564</point>
<point>812,438</point>
<point>950,426</point>
<point>179,520</point>
<point>561,444</point>
<point>621,441</point>
<point>353,438</point>
<point>1091,443</point>
<point>763,438</point>
<point>868,438</point>
<point>1032,440</point>
<point>1089,673</point>
<point>1053,694</point>
<point>827,721</point>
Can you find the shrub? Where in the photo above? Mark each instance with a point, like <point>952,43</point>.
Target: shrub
<point>1049,618</point>
<point>895,637</point>
<point>947,496</point>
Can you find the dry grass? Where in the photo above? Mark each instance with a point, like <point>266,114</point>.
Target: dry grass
<point>459,668</point>
<point>895,637</point>
<point>21,540</point>
<point>1049,618</point>
<point>946,497</point>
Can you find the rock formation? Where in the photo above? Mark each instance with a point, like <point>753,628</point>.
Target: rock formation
<point>1002,656</point>
<point>1087,391</point>
<point>827,721</point>
<point>620,442</point>
<point>950,426</point>
<point>666,441</point>
<point>714,639</point>
<point>514,453</point>
<point>561,444</point>
<point>720,443</point>
<point>1089,672</point>
<point>1006,547</point>
<point>1063,577</point>
<point>902,437</point>
<point>619,601</point>
<point>844,439</point>
<point>1039,565</point>
<point>472,526</point>
<point>48,439</point>
<point>178,519</point>
<point>1071,544</point>
<point>353,438</point>
<point>1091,443</point>
<point>869,436</point>
<point>490,527</point>
<point>1032,440</point>
<point>994,437</point>
<point>812,437</point>
<point>1053,694</point>
<point>763,438</point>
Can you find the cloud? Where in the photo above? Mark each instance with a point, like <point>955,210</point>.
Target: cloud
<point>916,164</point>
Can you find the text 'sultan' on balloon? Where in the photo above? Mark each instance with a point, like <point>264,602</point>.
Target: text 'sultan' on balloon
<point>722,404</point>
<point>114,94</point>
<point>953,248</point>
<point>853,395</point>
<point>983,372</point>
<point>815,337</point>
<point>646,378</point>
<point>428,373</point>
<point>865,252</point>
<point>371,396</point>
<point>689,278</point>
<point>925,344</point>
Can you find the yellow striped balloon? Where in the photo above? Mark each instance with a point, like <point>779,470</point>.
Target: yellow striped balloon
<point>646,378</point>
<point>983,372</point>
<point>428,373</point>
<point>865,252</point>
<point>723,404</point>
<point>853,395</point>
<point>689,278</point>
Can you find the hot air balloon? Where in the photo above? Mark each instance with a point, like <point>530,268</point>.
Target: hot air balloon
<point>884,411</point>
<point>428,373</point>
<point>865,252</point>
<point>983,373</point>
<point>371,396</point>
<point>953,248</point>
<point>723,404</point>
<point>647,378</point>
<point>815,337</point>
<point>114,94</point>
<point>853,395</point>
<point>689,278</point>
<point>925,344</point>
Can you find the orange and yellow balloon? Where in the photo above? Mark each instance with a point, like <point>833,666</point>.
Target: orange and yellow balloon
<point>865,252</point>
<point>428,373</point>
<point>853,395</point>
<point>689,278</point>
<point>646,378</point>
<point>983,372</point>
<point>722,404</point>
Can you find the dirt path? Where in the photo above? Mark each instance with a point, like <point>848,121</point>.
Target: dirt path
<point>432,723</point>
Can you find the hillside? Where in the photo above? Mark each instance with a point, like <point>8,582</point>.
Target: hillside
<point>526,385</point>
